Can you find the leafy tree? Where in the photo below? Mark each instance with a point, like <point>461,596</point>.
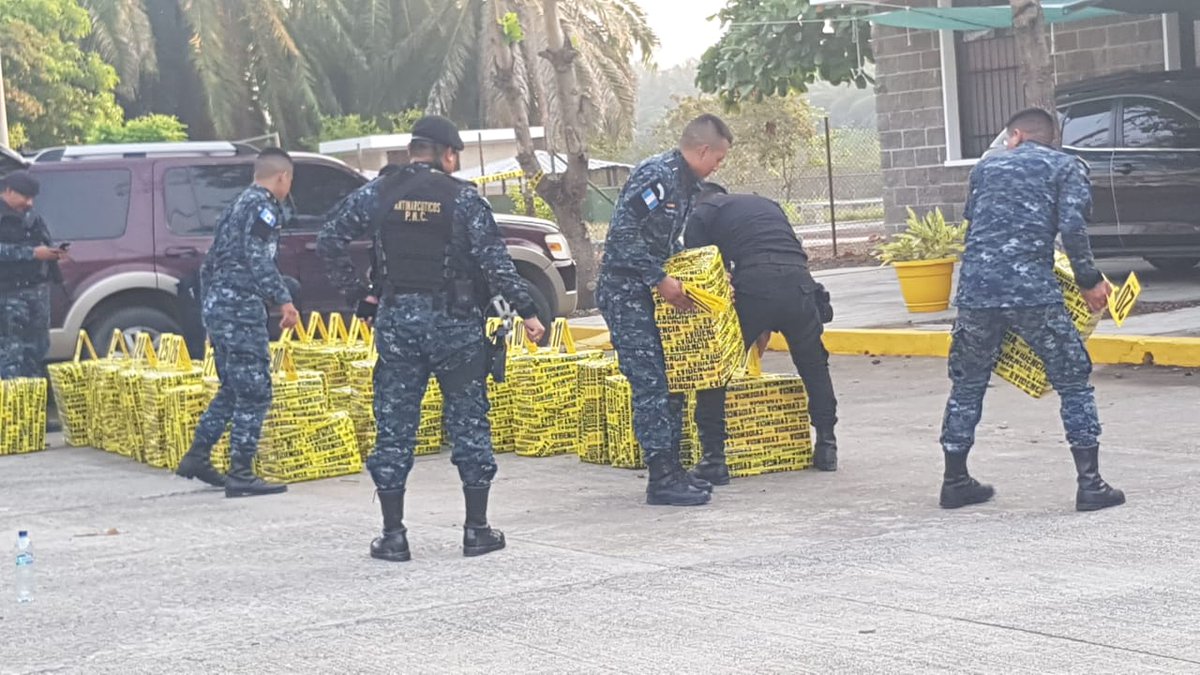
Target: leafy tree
<point>766,51</point>
<point>57,93</point>
<point>145,129</point>
<point>334,127</point>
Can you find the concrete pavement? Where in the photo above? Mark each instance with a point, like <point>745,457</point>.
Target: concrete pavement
<point>853,572</point>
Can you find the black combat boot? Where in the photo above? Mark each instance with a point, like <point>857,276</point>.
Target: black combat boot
<point>669,485</point>
<point>392,545</point>
<point>241,481</point>
<point>825,450</point>
<point>711,468</point>
<point>198,464</point>
<point>1093,494</point>
<point>478,537</point>
<point>958,488</point>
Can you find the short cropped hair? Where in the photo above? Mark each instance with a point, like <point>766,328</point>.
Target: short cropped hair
<point>706,129</point>
<point>1035,122</point>
<point>419,147</point>
<point>271,162</point>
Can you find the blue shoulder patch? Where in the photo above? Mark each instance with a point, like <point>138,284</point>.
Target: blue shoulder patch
<point>267,216</point>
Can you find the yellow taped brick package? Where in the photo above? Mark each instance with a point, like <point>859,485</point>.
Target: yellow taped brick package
<point>500,415</point>
<point>69,382</point>
<point>183,407</point>
<point>703,349</point>
<point>1018,364</point>
<point>624,452</point>
<point>767,425</point>
<point>546,396</point>
<point>22,415</point>
<point>593,447</point>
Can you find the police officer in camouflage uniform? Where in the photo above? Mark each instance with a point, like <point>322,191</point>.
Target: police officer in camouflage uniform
<point>238,279</point>
<point>439,258</point>
<point>28,262</point>
<point>646,229</point>
<point>774,292</point>
<point>1018,202</point>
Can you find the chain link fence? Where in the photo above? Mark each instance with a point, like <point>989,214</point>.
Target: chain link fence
<point>832,192</point>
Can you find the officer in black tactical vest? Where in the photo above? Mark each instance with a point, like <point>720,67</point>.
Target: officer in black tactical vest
<point>439,259</point>
<point>28,263</point>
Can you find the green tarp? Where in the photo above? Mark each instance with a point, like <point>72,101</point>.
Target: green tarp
<point>980,18</point>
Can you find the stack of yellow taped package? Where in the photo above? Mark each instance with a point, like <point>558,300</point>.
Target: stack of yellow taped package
<point>183,407</point>
<point>766,423</point>
<point>624,452</point>
<point>546,395</point>
<point>500,394</point>
<point>106,421</point>
<point>22,415</point>
<point>303,438</point>
<point>1018,364</point>
<point>593,446</point>
<point>174,369</point>
<point>703,349</point>
<point>71,381</point>
<point>130,439</point>
<point>331,347</point>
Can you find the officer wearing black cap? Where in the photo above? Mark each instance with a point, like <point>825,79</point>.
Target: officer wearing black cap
<point>28,262</point>
<point>774,292</point>
<point>439,259</point>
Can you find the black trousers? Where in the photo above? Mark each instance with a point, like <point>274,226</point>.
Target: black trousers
<point>797,318</point>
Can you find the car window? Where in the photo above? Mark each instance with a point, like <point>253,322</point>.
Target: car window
<point>317,188</point>
<point>81,205</point>
<point>1150,123</point>
<point>196,196</point>
<point>1088,125</point>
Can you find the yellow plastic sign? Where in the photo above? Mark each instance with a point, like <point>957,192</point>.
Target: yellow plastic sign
<point>1121,300</point>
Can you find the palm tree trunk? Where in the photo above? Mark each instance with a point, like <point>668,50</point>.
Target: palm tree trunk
<point>1036,66</point>
<point>567,193</point>
<point>504,78</point>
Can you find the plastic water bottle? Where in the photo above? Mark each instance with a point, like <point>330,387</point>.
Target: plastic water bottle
<point>24,567</point>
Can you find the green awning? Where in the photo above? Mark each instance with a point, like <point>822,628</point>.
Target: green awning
<point>981,18</point>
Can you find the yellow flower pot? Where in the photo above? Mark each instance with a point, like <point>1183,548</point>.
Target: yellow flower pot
<point>926,283</point>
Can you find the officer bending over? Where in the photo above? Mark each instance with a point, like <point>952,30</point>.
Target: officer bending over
<point>1018,203</point>
<point>774,292</point>
<point>439,259</point>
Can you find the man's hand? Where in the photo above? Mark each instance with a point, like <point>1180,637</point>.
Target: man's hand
<point>1097,296</point>
<point>367,308</point>
<point>763,341</point>
<point>290,317</point>
<point>47,254</point>
<point>534,330</point>
<point>672,291</point>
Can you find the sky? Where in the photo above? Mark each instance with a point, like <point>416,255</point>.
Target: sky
<point>682,28</point>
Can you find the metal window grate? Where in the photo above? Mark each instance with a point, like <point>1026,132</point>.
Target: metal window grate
<point>989,85</point>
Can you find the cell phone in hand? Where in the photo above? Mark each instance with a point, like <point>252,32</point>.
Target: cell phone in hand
<point>64,246</point>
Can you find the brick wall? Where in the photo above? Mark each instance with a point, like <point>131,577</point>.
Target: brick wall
<point>909,104</point>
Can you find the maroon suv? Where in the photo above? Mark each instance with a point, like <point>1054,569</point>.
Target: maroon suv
<point>140,219</point>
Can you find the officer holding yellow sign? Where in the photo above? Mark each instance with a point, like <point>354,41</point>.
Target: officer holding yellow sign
<point>1018,203</point>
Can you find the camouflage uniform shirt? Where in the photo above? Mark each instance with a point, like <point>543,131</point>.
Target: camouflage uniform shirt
<point>240,266</point>
<point>1019,202</point>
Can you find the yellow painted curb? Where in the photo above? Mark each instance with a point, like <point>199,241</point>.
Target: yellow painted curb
<point>1179,352</point>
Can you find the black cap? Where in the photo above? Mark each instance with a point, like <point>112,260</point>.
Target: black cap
<point>438,129</point>
<point>22,182</point>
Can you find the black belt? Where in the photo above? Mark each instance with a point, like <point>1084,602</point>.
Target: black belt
<point>770,259</point>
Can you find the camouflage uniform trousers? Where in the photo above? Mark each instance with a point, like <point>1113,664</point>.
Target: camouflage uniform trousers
<point>978,334</point>
<point>415,340</point>
<point>24,331</point>
<point>628,309</point>
<point>241,348</point>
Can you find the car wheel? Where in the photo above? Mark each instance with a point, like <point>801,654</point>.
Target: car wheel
<point>1173,264</point>
<point>131,321</point>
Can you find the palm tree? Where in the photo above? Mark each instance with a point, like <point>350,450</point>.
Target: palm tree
<point>249,69</point>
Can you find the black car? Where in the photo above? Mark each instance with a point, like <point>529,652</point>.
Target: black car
<point>1140,133</point>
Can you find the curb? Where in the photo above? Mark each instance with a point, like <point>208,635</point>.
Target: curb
<point>1137,350</point>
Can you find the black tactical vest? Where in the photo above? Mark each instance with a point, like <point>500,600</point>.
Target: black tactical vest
<point>415,225</point>
<point>18,229</point>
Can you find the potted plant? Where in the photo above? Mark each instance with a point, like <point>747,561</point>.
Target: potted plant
<point>924,256</point>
